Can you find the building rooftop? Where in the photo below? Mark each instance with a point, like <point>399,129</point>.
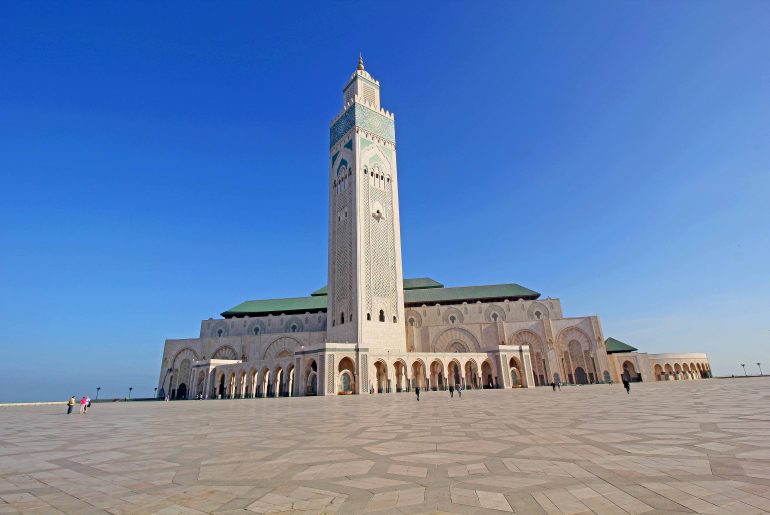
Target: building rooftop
<point>614,345</point>
<point>418,291</point>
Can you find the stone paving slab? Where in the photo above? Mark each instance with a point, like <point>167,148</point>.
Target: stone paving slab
<point>674,447</point>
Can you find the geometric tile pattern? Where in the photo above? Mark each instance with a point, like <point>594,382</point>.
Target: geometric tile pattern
<point>669,447</point>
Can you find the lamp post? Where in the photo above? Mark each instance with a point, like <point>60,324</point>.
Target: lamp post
<point>760,368</point>
<point>156,392</point>
<point>129,392</point>
<point>97,392</point>
<point>744,369</point>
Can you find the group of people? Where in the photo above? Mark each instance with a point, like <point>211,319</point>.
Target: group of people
<point>452,389</point>
<point>85,403</point>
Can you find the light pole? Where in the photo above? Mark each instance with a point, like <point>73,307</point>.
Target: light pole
<point>129,392</point>
<point>97,392</point>
<point>744,369</point>
<point>760,368</point>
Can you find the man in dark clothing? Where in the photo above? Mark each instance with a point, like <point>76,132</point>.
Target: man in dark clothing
<point>627,386</point>
<point>553,385</point>
<point>417,392</point>
<point>451,391</point>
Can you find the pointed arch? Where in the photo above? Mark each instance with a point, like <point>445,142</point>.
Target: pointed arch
<point>456,335</point>
<point>225,352</point>
<point>280,345</point>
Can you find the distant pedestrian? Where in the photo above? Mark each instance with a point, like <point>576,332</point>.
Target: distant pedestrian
<point>82,404</point>
<point>558,384</point>
<point>627,386</point>
<point>417,392</point>
<point>451,391</point>
<point>70,405</point>
<point>553,385</point>
<point>88,402</point>
<point>460,391</point>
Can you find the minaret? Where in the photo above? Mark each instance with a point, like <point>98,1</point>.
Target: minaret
<point>366,296</point>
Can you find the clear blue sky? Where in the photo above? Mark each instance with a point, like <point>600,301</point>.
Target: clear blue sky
<point>161,163</point>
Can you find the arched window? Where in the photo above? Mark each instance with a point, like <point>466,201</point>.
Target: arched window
<point>452,319</point>
<point>369,316</point>
<point>256,330</point>
<point>411,322</point>
<point>538,315</point>
<point>394,319</point>
<point>293,328</point>
<point>220,332</point>
<point>342,317</point>
<point>494,317</point>
<point>382,316</point>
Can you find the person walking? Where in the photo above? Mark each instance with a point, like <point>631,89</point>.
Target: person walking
<point>451,391</point>
<point>460,391</point>
<point>83,405</point>
<point>417,392</point>
<point>88,402</point>
<point>627,386</point>
<point>70,405</point>
<point>553,385</point>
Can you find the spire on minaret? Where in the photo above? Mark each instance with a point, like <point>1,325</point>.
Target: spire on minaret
<point>360,61</point>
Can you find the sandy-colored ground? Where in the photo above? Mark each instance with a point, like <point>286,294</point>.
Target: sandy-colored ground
<point>684,446</point>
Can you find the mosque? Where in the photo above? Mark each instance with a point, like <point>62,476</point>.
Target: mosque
<point>370,331</point>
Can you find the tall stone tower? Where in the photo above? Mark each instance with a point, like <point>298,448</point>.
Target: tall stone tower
<point>366,296</point>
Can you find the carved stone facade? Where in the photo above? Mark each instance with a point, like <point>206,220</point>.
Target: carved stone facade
<point>374,332</point>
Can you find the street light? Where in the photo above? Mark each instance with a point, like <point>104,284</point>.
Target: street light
<point>129,392</point>
<point>97,392</point>
<point>760,368</point>
<point>744,369</point>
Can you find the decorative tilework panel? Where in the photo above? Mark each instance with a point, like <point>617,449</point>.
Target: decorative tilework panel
<point>361,116</point>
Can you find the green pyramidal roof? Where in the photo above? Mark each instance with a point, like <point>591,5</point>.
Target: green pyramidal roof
<point>416,292</point>
<point>614,345</point>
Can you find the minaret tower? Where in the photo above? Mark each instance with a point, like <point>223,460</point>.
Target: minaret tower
<point>366,296</point>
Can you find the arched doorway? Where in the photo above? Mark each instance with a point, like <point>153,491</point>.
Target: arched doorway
<point>629,372</point>
<point>515,371</point>
<point>607,377</point>
<point>278,382</point>
<point>181,391</point>
<point>311,378</point>
<point>669,371</point>
<point>472,379</point>
<point>221,393</point>
<point>677,371</point>
<point>658,372</point>
<point>436,375</point>
<point>455,374</point>
<point>580,376</point>
<point>419,375</point>
<point>381,370</point>
<point>400,369</point>
<point>347,377</point>
<point>267,387</point>
<point>486,374</point>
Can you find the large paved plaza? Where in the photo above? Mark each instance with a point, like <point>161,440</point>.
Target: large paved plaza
<point>685,446</point>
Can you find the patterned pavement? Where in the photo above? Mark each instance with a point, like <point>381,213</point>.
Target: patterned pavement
<point>673,447</point>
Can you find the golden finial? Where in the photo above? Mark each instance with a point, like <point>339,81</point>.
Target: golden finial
<point>360,61</point>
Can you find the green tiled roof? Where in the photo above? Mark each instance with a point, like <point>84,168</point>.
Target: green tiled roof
<point>409,284</point>
<point>264,307</point>
<point>614,345</point>
<point>469,293</point>
<point>416,292</point>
